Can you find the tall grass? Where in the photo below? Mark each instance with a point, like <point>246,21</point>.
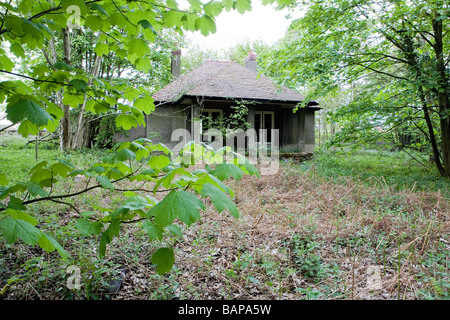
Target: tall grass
<point>397,169</point>
<point>18,156</point>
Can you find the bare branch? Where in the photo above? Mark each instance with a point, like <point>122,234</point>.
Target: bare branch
<point>7,127</point>
<point>34,79</point>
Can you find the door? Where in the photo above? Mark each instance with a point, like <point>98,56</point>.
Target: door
<point>264,122</point>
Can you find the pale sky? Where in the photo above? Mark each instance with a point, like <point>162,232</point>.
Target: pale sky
<point>261,23</point>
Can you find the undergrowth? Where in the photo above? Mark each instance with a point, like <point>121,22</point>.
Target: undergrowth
<point>361,226</point>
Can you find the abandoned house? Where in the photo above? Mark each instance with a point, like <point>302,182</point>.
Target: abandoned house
<point>212,91</point>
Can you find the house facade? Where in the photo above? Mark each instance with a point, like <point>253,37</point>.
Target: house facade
<point>214,89</point>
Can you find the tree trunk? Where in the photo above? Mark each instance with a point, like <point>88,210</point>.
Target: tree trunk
<point>52,59</point>
<point>79,140</point>
<point>442,92</point>
<point>432,138</point>
<point>444,166</point>
<point>65,121</point>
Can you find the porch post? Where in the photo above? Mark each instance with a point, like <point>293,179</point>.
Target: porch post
<point>301,130</point>
<point>309,131</point>
<point>251,120</point>
<point>196,125</point>
<point>251,115</point>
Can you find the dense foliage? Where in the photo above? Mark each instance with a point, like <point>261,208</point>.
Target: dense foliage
<point>391,57</point>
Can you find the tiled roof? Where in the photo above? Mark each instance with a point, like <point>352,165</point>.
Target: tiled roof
<point>223,79</point>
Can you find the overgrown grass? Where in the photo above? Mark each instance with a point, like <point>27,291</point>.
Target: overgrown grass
<point>399,170</point>
<point>316,230</point>
<point>17,156</point>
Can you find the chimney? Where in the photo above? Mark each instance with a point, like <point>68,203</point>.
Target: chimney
<point>250,61</point>
<point>175,66</point>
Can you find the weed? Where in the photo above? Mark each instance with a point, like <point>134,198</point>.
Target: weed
<point>306,257</point>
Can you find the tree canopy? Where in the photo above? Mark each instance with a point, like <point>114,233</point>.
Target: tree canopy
<point>395,52</point>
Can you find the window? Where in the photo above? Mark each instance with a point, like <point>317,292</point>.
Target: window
<point>211,118</point>
<point>265,121</point>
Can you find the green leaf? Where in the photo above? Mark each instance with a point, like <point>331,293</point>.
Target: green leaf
<point>94,22</point>
<point>13,229</point>
<point>16,203</point>
<point>79,84</point>
<point>88,228</point>
<point>243,5</point>
<point>159,162</point>
<point>17,50</point>
<point>105,182</point>
<point>3,179</point>
<point>147,25</point>
<point>249,168</point>
<point>49,244</point>
<point>167,180</point>
<point>121,53</point>
<point>42,176</point>
<point>206,25</point>
<point>213,8</point>
<point>6,63</point>
<point>138,48</point>
<point>126,121</point>
<point>228,4</point>
<point>96,169</point>
<point>39,166</point>
<point>99,8</point>
<point>145,104</point>
<point>101,49</point>
<point>107,236</point>
<point>17,214</point>
<point>36,189</point>
<point>177,204</point>
<point>226,170</point>
<point>219,199</point>
<point>61,168</point>
<point>154,231</point>
<point>55,111</point>
<point>62,66</point>
<point>144,64</point>
<point>175,230</point>
<point>136,203</point>
<point>172,18</point>
<point>209,178</point>
<point>125,154</point>
<point>28,109</point>
<point>104,240</point>
<point>26,128</point>
<point>164,259</point>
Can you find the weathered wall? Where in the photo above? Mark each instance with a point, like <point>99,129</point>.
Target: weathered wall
<point>309,131</point>
<point>164,121</point>
<point>133,134</point>
<point>160,125</point>
<point>296,129</point>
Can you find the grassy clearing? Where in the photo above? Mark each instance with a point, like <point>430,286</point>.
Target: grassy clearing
<point>335,227</point>
<point>399,170</point>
